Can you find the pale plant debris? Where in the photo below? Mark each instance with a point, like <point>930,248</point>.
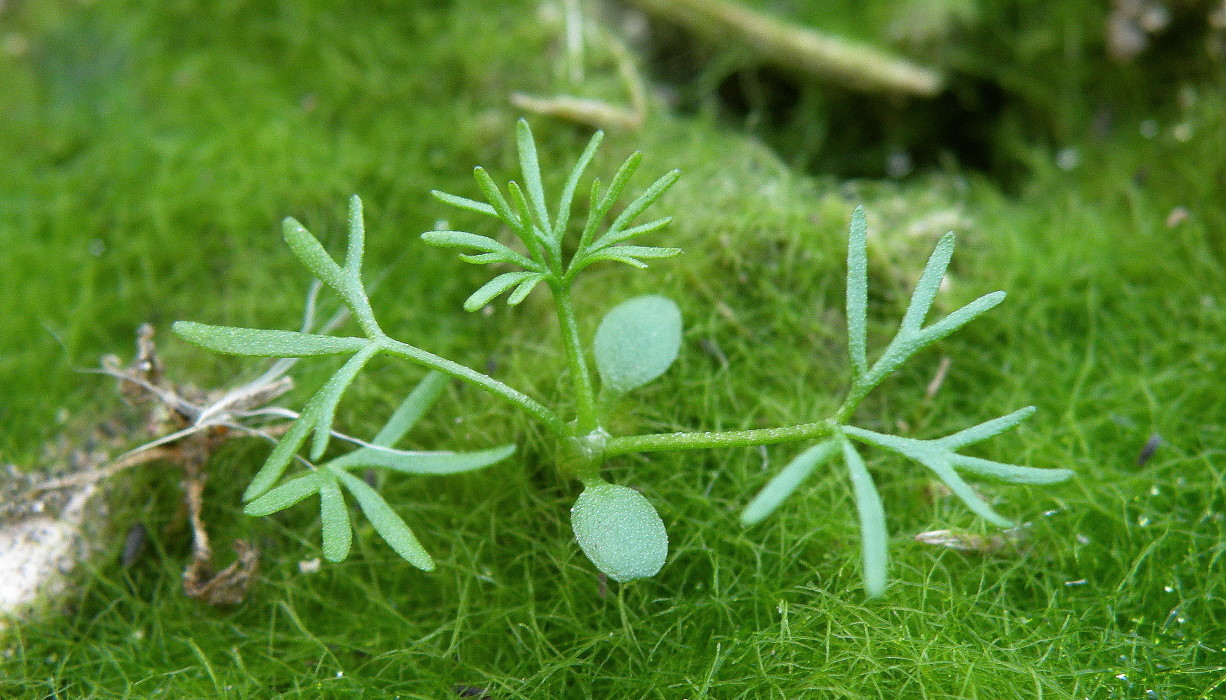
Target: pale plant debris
<point>1006,540</point>
<point>39,552</point>
<point>938,379</point>
<point>596,113</point>
<point>804,50</point>
<point>188,425</point>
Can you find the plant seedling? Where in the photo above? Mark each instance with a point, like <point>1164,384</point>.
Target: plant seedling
<point>636,342</point>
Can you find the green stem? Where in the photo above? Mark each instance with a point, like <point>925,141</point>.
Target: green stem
<point>489,384</point>
<point>855,395</point>
<point>736,438</point>
<point>585,397</point>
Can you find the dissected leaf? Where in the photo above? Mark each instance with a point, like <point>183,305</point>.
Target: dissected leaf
<point>411,409</point>
<point>357,239</point>
<point>929,282</point>
<point>874,539</point>
<point>568,190</point>
<point>1012,473</point>
<point>258,342</point>
<point>786,481</point>
<point>312,254</point>
<point>628,254</point>
<point>961,317</point>
<point>285,495</point>
<point>390,526</point>
<point>644,200</point>
<point>531,169</point>
<point>857,292</point>
<point>614,237</point>
<point>488,291</point>
<point>464,203</point>
<point>494,196</point>
<point>934,456</point>
<point>411,462</point>
<point>524,289</point>
<point>637,341</point>
<point>985,430</point>
<point>326,399</point>
<point>337,531</point>
<point>282,453</point>
<point>460,239</point>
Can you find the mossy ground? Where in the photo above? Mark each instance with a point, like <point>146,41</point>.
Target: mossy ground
<point>150,153</point>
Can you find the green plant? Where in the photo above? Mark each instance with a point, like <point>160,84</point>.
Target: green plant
<point>636,342</point>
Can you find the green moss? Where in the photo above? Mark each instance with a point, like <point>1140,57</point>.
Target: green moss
<point>150,155</point>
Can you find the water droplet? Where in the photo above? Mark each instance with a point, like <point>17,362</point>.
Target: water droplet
<point>1067,159</point>
<point>1082,539</point>
<point>1078,582</point>
<point>1169,589</point>
<point>1155,491</point>
<point>1152,694</point>
<point>1143,521</point>
<point>1122,676</point>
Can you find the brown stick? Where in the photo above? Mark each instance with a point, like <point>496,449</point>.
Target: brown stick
<point>793,47</point>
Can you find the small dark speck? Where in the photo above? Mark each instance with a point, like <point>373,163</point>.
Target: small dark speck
<point>1151,446</point>
<point>371,477</point>
<point>713,349</point>
<point>602,585</point>
<point>470,691</point>
<point>134,545</point>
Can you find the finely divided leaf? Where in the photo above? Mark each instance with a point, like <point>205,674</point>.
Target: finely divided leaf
<point>857,292</point>
<point>411,409</point>
<point>258,342</point>
<point>938,459</point>
<point>786,481</point>
<point>568,191</point>
<point>1012,473</point>
<point>531,169</point>
<point>874,538</point>
<point>411,462</point>
<point>961,317</point>
<point>524,289</point>
<point>644,200</point>
<point>337,531</point>
<point>629,254</point>
<point>312,254</point>
<point>637,341</point>
<point>285,495</point>
<point>325,401</point>
<point>387,523</point>
<point>494,196</point>
<point>460,239</point>
<point>985,430</point>
<point>464,203</point>
<point>929,282</point>
<point>281,455</point>
<point>357,239</point>
<point>613,237</point>
<point>488,291</point>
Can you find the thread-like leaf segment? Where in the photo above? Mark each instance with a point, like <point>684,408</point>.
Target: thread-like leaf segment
<point>874,539</point>
<point>787,480</point>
